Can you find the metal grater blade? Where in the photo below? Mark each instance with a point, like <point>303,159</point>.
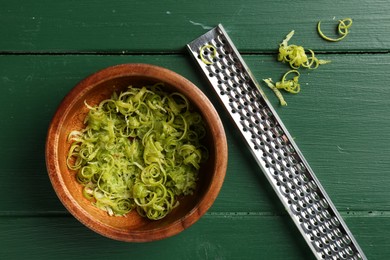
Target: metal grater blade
<point>273,148</point>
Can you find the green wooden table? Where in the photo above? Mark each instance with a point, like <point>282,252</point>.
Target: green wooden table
<point>340,120</point>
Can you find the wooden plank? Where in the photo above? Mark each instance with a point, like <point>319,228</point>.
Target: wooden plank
<point>213,237</point>
<point>166,26</point>
<point>339,120</point>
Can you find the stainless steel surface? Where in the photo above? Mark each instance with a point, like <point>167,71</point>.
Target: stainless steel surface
<point>273,148</point>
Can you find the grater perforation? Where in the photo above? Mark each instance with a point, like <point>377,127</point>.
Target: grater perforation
<point>273,148</point>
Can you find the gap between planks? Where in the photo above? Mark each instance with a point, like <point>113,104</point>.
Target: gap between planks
<point>179,52</point>
<point>221,214</point>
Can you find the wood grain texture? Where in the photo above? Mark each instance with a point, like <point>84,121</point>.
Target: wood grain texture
<point>141,26</point>
<point>213,237</point>
<point>340,120</point>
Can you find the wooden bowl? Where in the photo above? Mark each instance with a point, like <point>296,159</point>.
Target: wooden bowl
<point>132,227</point>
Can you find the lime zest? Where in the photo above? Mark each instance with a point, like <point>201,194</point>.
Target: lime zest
<point>278,94</point>
<point>342,29</point>
<point>291,85</point>
<point>295,55</point>
<point>205,51</point>
<point>139,150</point>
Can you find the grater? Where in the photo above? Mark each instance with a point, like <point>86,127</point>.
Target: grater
<point>273,148</point>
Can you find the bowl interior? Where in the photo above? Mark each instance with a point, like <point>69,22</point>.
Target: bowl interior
<point>132,227</point>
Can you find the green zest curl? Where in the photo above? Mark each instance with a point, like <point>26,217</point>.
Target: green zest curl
<point>278,94</point>
<point>291,85</point>
<point>342,28</point>
<point>296,56</point>
<point>139,150</point>
<point>204,51</point>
